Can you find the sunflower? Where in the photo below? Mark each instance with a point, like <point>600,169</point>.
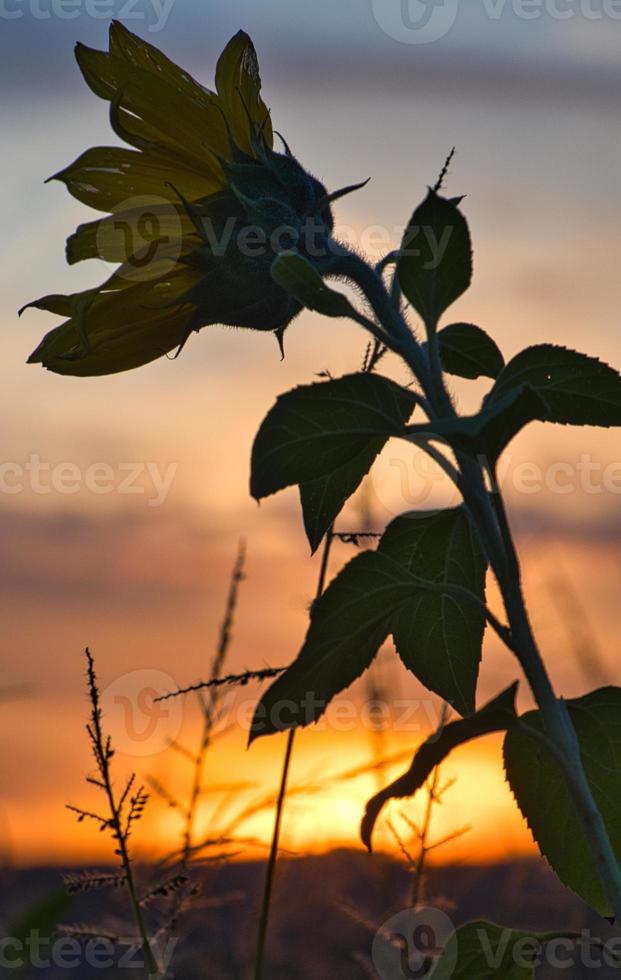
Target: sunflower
<point>195,210</point>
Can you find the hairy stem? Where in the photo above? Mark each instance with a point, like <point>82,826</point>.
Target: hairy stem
<point>397,335</point>
<point>557,721</point>
<point>493,527</point>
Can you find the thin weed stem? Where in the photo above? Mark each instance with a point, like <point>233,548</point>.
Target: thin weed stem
<point>280,803</point>
<point>123,813</point>
<point>209,701</point>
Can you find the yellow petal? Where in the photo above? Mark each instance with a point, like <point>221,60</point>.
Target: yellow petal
<point>238,84</point>
<point>120,328</point>
<point>134,236</point>
<point>59,303</point>
<point>163,104</point>
<point>105,177</point>
<point>138,53</point>
<point>98,72</point>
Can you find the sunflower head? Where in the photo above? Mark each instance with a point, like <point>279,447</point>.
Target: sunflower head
<point>195,209</point>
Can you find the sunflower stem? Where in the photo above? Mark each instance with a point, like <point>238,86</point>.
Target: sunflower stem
<point>488,513</point>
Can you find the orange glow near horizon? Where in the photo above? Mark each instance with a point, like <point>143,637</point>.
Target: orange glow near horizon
<point>324,808</point>
<point>322,813</point>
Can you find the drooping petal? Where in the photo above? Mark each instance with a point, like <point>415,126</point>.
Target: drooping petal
<point>135,236</point>
<point>62,304</point>
<point>119,328</point>
<point>105,177</point>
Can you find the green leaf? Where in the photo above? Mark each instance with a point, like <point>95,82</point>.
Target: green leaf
<point>496,716</point>
<point>325,437</point>
<point>400,589</point>
<point>484,951</point>
<point>439,636</point>
<point>489,432</point>
<point>348,625</point>
<point>435,262</point>
<point>541,792</point>
<point>324,498</point>
<point>544,383</point>
<point>572,388</point>
<point>502,418</point>
<point>468,352</point>
<point>298,277</point>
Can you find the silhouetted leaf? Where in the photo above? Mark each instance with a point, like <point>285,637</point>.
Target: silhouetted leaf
<point>399,589</point>
<point>484,951</point>
<point>435,261</point>
<point>496,716</point>
<point>544,383</point>
<point>298,277</point>
<point>542,795</point>
<point>323,499</point>
<point>324,437</point>
<point>572,388</point>
<point>439,636</point>
<point>348,625</point>
<point>468,352</point>
<point>489,432</point>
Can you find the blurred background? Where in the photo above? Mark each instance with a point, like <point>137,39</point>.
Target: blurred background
<point>133,559</point>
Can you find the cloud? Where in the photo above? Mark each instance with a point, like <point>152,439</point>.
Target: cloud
<point>132,557</point>
<point>338,43</point>
<point>600,526</point>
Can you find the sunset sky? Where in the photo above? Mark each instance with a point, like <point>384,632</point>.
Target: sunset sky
<point>141,577</point>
